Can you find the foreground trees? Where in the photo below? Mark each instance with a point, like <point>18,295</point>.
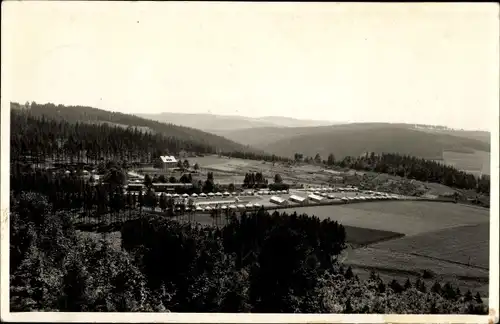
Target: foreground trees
<point>260,262</point>
<point>53,268</point>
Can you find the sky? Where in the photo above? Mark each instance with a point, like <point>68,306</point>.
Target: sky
<point>351,62</point>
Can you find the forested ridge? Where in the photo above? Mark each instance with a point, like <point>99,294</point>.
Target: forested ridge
<point>189,137</point>
<point>42,137</point>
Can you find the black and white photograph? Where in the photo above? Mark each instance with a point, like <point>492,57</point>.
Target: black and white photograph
<point>335,161</point>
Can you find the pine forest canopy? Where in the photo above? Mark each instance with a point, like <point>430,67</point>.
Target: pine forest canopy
<point>189,137</point>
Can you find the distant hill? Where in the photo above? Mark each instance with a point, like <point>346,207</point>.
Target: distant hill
<point>216,123</point>
<point>478,135</point>
<point>91,115</point>
<point>293,122</point>
<point>358,138</point>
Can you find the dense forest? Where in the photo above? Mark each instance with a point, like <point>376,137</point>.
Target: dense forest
<point>260,262</point>
<point>184,137</point>
<point>41,138</point>
<point>419,169</point>
<point>73,191</point>
<point>405,166</point>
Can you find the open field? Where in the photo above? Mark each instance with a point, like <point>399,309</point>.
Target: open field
<point>139,128</point>
<point>360,236</point>
<point>409,264</point>
<point>227,170</point>
<point>402,267</point>
<point>476,163</point>
<point>451,240</point>
<point>467,244</point>
<point>225,164</point>
<point>407,217</point>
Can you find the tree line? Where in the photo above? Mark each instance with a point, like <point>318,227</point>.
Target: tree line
<point>281,263</point>
<point>418,169</point>
<point>44,139</point>
<point>38,139</point>
<point>89,115</point>
<point>407,167</point>
<point>70,190</point>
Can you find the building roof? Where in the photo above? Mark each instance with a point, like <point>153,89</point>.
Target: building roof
<point>297,198</point>
<point>168,159</point>
<point>315,197</point>
<point>277,199</point>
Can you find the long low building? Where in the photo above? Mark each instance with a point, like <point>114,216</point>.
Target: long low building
<point>135,187</point>
<point>158,187</point>
<point>297,199</point>
<point>277,200</point>
<point>213,203</point>
<point>314,197</point>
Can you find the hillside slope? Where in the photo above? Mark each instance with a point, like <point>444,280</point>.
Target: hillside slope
<point>477,135</point>
<point>215,123</point>
<point>91,115</point>
<point>355,139</point>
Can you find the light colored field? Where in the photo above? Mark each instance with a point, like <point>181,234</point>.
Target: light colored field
<point>221,163</point>
<point>224,168</point>
<point>450,240</point>
<point>400,266</point>
<point>463,244</point>
<point>408,264</point>
<point>143,129</point>
<point>481,285</point>
<point>438,189</point>
<point>476,163</point>
<point>407,217</point>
